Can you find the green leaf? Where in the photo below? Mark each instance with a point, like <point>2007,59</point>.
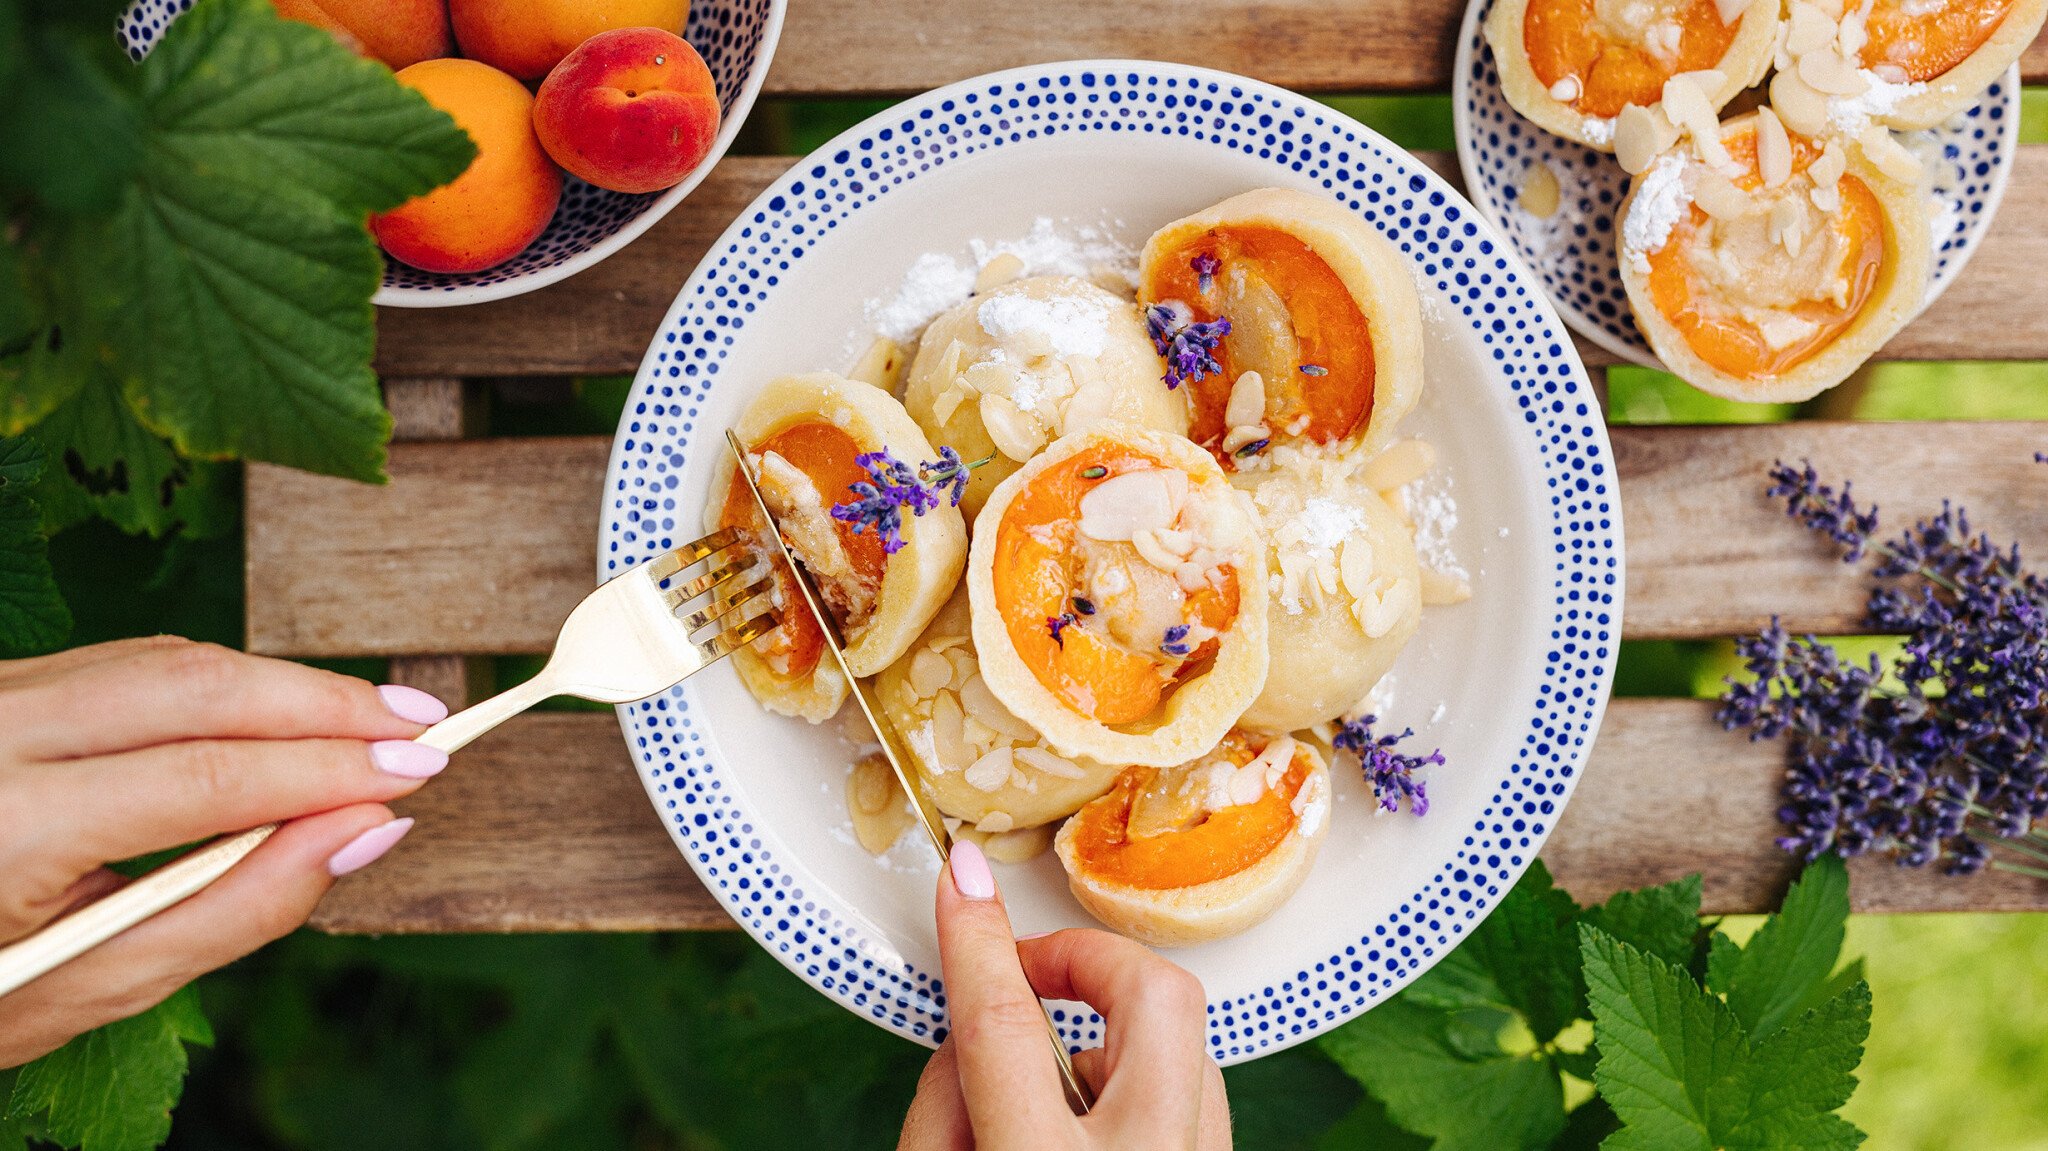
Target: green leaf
<point>1528,947</point>
<point>1662,921</point>
<point>237,90</point>
<point>108,463</point>
<point>1366,1128</point>
<point>1402,1053</point>
<point>1723,954</point>
<point>112,1089</point>
<point>248,329</point>
<point>1681,1073</point>
<point>1788,961</point>
<point>33,616</point>
<point>70,132</point>
<point>50,319</point>
<point>1284,1101</point>
<point>1588,1124</point>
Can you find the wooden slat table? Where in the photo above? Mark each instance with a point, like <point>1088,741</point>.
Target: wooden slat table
<point>487,542</point>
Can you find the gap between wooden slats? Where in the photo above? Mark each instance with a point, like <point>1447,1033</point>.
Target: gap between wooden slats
<point>601,320</point>
<point>870,47</point>
<point>483,546</point>
<point>543,826</point>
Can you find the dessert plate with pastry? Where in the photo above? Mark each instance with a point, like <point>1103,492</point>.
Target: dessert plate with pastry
<point>1211,507</point>
<point>1564,107</point>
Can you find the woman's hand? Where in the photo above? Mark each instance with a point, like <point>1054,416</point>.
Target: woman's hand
<point>993,1084</point>
<point>118,750</point>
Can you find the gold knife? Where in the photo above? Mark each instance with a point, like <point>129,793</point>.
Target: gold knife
<point>1078,1096</point>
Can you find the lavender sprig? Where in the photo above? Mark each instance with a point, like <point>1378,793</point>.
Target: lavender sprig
<point>1391,774</point>
<point>1189,347</point>
<point>893,485</point>
<point>1055,624</point>
<point>1205,266</point>
<point>1175,641</point>
<point>1948,758</point>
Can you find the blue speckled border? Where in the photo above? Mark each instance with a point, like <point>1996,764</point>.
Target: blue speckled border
<point>1484,284</point>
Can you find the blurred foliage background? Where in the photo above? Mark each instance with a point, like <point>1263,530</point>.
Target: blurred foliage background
<point>704,1042</point>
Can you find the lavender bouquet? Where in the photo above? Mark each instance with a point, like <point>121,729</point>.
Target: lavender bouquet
<point>1938,757</point>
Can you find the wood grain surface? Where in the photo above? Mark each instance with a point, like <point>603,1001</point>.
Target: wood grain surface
<point>483,546</point>
<point>603,319</point>
<point>543,826</point>
<point>866,47</point>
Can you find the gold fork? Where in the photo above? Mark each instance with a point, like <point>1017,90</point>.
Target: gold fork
<point>624,642</point>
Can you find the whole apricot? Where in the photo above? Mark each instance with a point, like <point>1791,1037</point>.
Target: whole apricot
<point>529,37</point>
<point>501,202</point>
<point>632,110</point>
<point>398,32</point>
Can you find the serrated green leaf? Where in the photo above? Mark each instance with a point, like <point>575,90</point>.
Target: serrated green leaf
<point>70,131</point>
<point>50,319</point>
<point>1284,1101</point>
<point>1588,1124</point>
<point>1528,947</point>
<point>1402,1054</point>
<point>1682,1074</point>
<point>1365,1128</point>
<point>33,615</point>
<point>1661,921</point>
<point>105,462</point>
<point>112,1089</point>
<point>1789,959</point>
<point>1723,954</point>
<point>1798,1076</point>
<point>1457,983</point>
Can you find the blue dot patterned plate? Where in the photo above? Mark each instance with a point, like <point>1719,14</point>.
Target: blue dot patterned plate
<point>1510,685</point>
<point>736,38</point>
<point>1573,249</point>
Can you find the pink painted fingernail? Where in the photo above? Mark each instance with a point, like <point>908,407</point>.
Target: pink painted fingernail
<point>1033,935</point>
<point>412,703</point>
<point>971,876</point>
<point>367,848</point>
<point>403,757</point>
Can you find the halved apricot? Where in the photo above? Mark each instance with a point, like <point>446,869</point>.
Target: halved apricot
<point>1926,41</point>
<point>1221,844</point>
<point>1566,38</point>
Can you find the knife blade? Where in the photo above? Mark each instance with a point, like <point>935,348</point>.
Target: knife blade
<point>900,760</point>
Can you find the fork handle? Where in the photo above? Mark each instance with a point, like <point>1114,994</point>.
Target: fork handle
<point>86,928</point>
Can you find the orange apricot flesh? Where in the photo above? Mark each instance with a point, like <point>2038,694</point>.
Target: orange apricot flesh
<point>1037,571</point>
<point>1222,844</point>
<point>828,457</point>
<point>1564,38</point>
<point>1927,44</point>
<point>1333,333</point>
<point>1731,343</point>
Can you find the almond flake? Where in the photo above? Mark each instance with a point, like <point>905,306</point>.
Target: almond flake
<point>1153,552</point>
<point>1731,10</point>
<point>1240,436</point>
<point>1016,433</point>
<point>1826,71</point>
<point>1688,105</point>
<point>1640,136</point>
<point>1798,105</point>
<point>1810,29</point>
<point>929,672</point>
<point>1566,89</point>
<point>1540,196</point>
<point>1126,504</point>
<point>1040,760</point>
<point>1773,149</point>
<point>991,771</point>
<point>1888,155</point>
<point>1718,197</point>
<point>1247,406</point>
<point>1401,464</point>
<point>1003,268</point>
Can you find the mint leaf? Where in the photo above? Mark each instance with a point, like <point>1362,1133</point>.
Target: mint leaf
<point>33,616</point>
<point>112,1089</point>
<point>1662,921</point>
<point>248,328</point>
<point>1799,1075</point>
<point>237,90</point>
<point>1403,1054</point>
<point>1788,960</point>
<point>1666,1046</point>
<point>1528,946</point>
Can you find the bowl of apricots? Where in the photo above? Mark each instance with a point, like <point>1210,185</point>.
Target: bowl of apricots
<point>592,118</point>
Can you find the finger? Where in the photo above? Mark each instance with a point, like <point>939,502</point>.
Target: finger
<point>1007,1073</point>
<point>38,891</point>
<point>265,896</point>
<point>1154,1011</point>
<point>938,1114</point>
<point>1093,1069</point>
<point>1215,1129</point>
<point>77,657</point>
<point>180,690</point>
<point>127,804</point>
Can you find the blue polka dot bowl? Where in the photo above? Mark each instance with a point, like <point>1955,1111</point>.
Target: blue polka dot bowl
<point>737,39</point>
<point>1572,250</point>
<point>1511,684</point>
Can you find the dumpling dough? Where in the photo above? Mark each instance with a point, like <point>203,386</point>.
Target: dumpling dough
<point>1118,597</point>
<point>804,434</point>
<point>1187,854</point>
<point>1031,361</point>
<point>1345,584</point>
<point>1323,314</point>
<point>976,759</point>
<point>1772,293</point>
<point>1571,66</point>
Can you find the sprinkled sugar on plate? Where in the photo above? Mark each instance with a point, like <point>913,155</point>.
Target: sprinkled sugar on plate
<point>1554,200</point>
<point>1073,166</point>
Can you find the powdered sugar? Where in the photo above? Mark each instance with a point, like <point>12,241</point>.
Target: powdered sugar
<point>1435,511</point>
<point>937,281</point>
<point>1326,523</point>
<point>1851,114</point>
<point>1660,203</point>
<point>1061,326</point>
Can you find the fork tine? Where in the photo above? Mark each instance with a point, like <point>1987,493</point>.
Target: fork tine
<point>747,631</point>
<point>683,593</point>
<point>667,565</point>
<point>724,602</point>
